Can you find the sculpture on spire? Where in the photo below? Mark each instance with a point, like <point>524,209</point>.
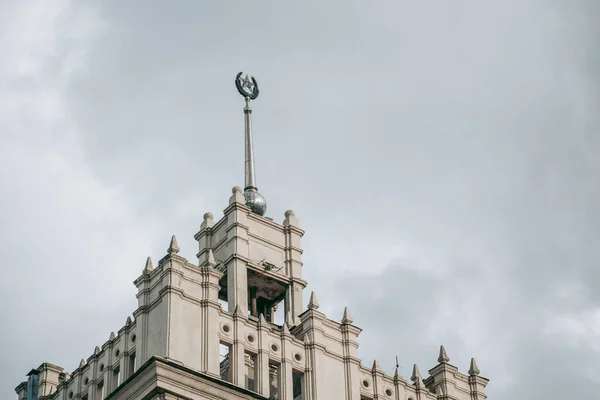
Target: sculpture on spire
<point>248,88</point>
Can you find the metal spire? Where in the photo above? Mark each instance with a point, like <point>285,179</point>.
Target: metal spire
<point>249,174</point>
<point>248,87</point>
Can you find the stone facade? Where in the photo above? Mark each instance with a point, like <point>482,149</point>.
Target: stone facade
<point>188,315</point>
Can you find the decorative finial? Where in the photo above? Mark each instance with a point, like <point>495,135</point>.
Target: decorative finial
<point>148,268</point>
<point>173,246</point>
<point>211,262</point>
<point>313,303</point>
<point>416,374</point>
<point>128,321</point>
<point>375,366</point>
<point>473,369</point>
<point>347,318</point>
<point>97,350</point>
<point>112,336</point>
<point>248,88</point>
<point>443,357</point>
<point>262,321</point>
<point>82,363</point>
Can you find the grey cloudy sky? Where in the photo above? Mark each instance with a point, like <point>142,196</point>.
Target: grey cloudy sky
<point>441,156</point>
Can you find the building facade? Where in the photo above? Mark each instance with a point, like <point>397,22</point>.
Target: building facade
<point>208,330</point>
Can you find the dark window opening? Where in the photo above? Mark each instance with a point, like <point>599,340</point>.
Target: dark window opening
<point>297,385</point>
<point>225,362</point>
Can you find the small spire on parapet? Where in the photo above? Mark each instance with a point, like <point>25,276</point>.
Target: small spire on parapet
<point>82,363</point>
<point>313,303</point>
<point>97,350</point>
<point>443,357</point>
<point>375,366</point>
<point>236,311</point>
<point>416,376</point>
<point>285,330</point>
<point>173,246</point>
<point>262,320</point>
<point>473,369</point>
<point>211,262</point>
<point>128,321</point>
<point>112,336</point>
<point>148,268</point>
<point>347,318</point>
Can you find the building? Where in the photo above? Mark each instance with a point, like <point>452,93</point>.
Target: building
<point>208,331</point>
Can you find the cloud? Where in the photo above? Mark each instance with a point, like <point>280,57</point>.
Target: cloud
<point>442,159</point>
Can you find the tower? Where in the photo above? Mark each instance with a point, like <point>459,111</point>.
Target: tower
<point>261,260</point>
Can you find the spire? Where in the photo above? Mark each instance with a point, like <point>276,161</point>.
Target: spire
<point>416,376</point>
<point>82,363</point>
<point>313,303</point>
<point>211,262</point>
<point>128,321</point>
<point>375,366</point>
<point>173,247</point>
<point>443,357</point>
<point>148,268</point>
<point>347,318</point>
<point>473,369</point>
<point>248,87</point>
<point>112,336</point>
<point>262,321</point>
<point>97,350</point>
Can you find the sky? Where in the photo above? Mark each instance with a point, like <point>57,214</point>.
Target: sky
<point>442,158</point>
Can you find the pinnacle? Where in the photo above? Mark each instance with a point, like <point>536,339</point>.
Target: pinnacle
<point>443,357</point>
<point>375,365</point>
<point>416,375</point>
<point>128,321</point>
<point>285,329</point>
<point>262,320</point>
<point>173,247</point>
<point>473,369</point>
<point>211,259</point>
<point>82,363</point>
<point>148,268</point>
<point>112,336</point>
<point>313,303</point>
<point>347,318</point>
<point>97,350</point>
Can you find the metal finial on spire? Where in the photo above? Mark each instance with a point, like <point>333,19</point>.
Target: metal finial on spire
<point>248,88</point>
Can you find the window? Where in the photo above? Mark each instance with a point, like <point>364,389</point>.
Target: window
<point>297,385</point>
<point>116,377</point>
<point>225,365</point>
<point>250,365</point>
<point>274,380</point>
<point>100,391</point>
<point>132,364</point>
